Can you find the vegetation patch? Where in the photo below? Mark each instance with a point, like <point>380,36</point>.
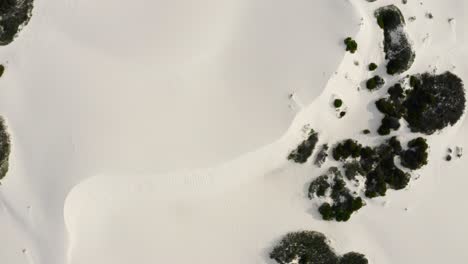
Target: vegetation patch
<point>305,149</point>
<point>434,102</point>
<point>5,148</point>
<point>375,82</point>
<point>398,49</point>
<point>372,66</point>
<point>333,186</point>
<point>310,247</point>
<point>351,44</point>
<point>322,155</point>
<point>416,155</point>
<point>337,103</point>
<point>14,14</point>
<point>374,165</point>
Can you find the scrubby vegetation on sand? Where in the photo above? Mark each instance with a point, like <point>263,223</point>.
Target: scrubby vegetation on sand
<point>372,67</point>
<point>434,102</point>
<point>310,247</point>
<point>398,49</point>
<point>14,14</point>
<point>416,155</point>
<point>374,165</point>
<point>305,149</point>
<point>375,82</point>
<point>351,44</point>
<point>332,185</point>
<point>322,155</point>
<point>431,103</point>
<point>5,148</point>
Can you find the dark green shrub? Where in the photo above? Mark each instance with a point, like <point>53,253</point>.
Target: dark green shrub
<point>353,258</point>
<point>305,247</point>
<point>346,149</point>
<point>375,82</point>
<point>337,103</point>
<point>310,247</point>
<point>342,114</point>
<point>397,47</point>
<point>396,92</point>
<point>375,183</point>
<point>319,186</point>
<point>372,66</point>
<point>416,155</point>
<point>388,123</point>
<point>351,45</point>
<point>389,108</point>
<point>435,102</point>
<point>352,169</point>
<point>15,14</point>
<point>305,149</point>
<point>2,70</point>
<point>366,131</point>
<point>326,211</point>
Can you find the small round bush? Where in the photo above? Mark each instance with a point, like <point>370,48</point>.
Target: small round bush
<point>351,45</point>
<point>375,82</point>
<point>372,66</point>
<point>337,103</point>
<point>2,70</point>
<point>366,131</point>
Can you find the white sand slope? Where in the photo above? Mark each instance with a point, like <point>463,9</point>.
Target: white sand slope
<point>129,123</point>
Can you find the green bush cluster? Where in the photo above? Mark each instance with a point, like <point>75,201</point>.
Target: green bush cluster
<point>375,82</point>
<point>346,149</point>
<point>351,44</point>
<point>388,123</point>
<point>397,46</point>
<point>416,155</point>
<point>434,102</point>
<point>15,14</point>
<point>305,149</point>
<point>310,247</point>
<point>2,70</point>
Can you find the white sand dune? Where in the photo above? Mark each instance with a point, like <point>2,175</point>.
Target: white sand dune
<point>115,108</point>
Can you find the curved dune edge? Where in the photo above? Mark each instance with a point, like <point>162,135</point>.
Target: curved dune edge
<point>269,163</point>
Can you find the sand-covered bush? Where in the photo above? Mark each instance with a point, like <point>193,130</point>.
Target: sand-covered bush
<point>397,46</point>
<point>14,14</point>
<point>305,149</point>
<point>310,247</point>
<point>434,102</point>
<point>322,155</point>
<point>5,148</point>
